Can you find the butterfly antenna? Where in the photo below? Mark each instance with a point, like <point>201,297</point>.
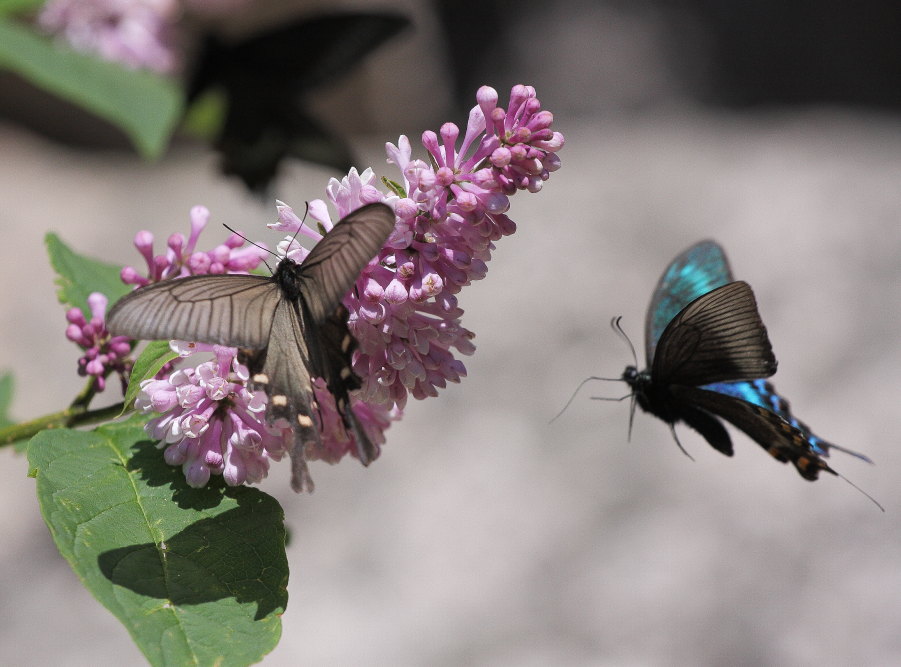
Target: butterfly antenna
<point>872,499</point>
<point>672,428</point>
<point>582,384</point>
<point>303,221</point>
<point>253,243</point>
<point>615,325</point>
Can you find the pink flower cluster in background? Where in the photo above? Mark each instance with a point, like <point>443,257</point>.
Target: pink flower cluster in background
<point>139,34</point>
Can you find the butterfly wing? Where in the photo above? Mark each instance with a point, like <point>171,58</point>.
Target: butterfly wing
<point>717,337</point>
<point>780,438</point>
<point>282,369</point>
<point>232,310</point>
<point>266,79</point>
<point>762,393</point>
<point>338,345</point>
<point>337,260</point>
<point>699,269</point>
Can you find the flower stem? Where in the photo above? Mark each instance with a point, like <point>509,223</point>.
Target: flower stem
<point>77,414</point>
<point>71,416</point>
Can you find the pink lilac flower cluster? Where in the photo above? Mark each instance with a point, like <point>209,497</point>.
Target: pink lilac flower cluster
<point>403,308</point>
<point>136,33</point>
<point>139,34</point>
<point>182,258</point>
<point>450,211</point>
<point>103,353</point>
<point>201,436</point>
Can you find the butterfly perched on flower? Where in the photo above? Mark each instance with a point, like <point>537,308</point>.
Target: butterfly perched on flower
<point>708,355</point>
<point>292,326</point>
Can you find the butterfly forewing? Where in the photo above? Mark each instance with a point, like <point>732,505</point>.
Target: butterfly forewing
<point>336,261</point>
<point>231,310</point>
<point>699,269</point>
<point>717,337</point>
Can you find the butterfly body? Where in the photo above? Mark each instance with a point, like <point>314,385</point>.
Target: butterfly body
<point>708,356</point>
<point>291,327</point>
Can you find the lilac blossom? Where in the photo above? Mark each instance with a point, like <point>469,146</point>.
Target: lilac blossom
<point>403,310</point>
<point>183,259</point>
<point>103,353</point>
<point>138,34</point>
<point>211,423</point>
<point>450,211</point>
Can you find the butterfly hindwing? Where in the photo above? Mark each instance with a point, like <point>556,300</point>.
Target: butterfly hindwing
<point>718,336</point>
<point>781,439</point>
<point>338,347</point>
<point>282,369</point>
<point>696,271</point>
<point>764,394</point>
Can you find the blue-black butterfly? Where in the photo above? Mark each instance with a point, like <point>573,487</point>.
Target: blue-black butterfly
<point>708,354</point>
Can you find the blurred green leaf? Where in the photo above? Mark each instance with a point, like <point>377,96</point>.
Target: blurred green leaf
<point>205,116</point>
<point>15,6</point>
<point>6,397</point>
<point>77,276</point>
<point>156,355</point>
<point>197,576</point>
<point>144,105</point>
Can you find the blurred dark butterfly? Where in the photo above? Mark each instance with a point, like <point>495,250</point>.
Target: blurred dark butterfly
<point>264,79</point>
<point>707,353</point>
<point>292,323</point>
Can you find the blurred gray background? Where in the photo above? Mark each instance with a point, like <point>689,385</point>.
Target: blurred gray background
<point>485,535</point>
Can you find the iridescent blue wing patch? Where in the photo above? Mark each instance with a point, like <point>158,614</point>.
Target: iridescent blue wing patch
<point>698,270</point>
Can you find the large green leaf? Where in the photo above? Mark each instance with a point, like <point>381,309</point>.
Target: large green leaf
<point>197,576</point>
<point>144,105</point>
<point>77,276</point>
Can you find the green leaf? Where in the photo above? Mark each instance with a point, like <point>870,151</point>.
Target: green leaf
<point>77,276</point>
<point>206,116</point>
<point>156,355</point>
<point>197,576</point>
<point>13,6</point>
<point>394,186</point>
<point>144,105</point>
<point>6,397</point>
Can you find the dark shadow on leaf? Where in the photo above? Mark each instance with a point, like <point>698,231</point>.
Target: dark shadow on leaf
<point>238,554</point>
<point>149,463</point>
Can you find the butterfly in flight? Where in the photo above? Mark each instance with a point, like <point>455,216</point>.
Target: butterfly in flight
<point>266,80</point>
<point>291,327</point>
<point>708,355</point>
